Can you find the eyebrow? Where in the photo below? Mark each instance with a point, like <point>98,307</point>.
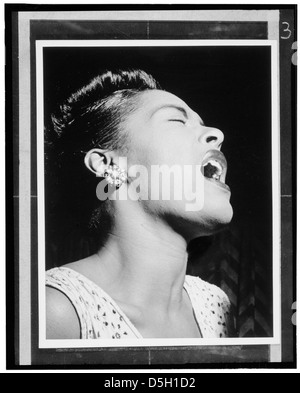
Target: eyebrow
<point>179,108</point>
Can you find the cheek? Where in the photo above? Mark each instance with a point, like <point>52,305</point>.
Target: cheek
<point>169,149</point>
<point>153,151</point>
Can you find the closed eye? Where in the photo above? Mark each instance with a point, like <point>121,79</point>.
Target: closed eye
<point>178,120</point>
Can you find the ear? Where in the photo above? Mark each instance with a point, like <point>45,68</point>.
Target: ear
<point>97,160</point>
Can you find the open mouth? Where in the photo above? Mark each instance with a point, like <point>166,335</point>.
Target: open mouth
<point>214,168</point>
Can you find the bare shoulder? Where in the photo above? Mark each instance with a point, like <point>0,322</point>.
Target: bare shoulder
<point>61,318</point>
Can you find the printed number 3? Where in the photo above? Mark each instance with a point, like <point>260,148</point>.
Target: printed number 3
<point>287,31</point>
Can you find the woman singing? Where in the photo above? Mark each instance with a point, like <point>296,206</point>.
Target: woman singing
<point>135,285</point>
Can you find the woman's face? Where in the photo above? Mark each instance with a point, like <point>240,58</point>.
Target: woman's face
<point>164,131</point>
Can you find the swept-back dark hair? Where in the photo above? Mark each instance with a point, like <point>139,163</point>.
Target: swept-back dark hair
<point>91,117</point>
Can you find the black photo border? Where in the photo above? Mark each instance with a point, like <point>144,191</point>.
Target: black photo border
<point>115,359</point>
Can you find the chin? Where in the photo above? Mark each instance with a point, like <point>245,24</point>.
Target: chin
<point>193,226</point>
<point>212,218</point>
<point>213,221</point>
<point>224,216</point>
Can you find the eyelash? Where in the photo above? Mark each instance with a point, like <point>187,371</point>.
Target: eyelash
<point>178,120</point>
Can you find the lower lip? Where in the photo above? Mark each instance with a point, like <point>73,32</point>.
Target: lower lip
<point>217,183</point>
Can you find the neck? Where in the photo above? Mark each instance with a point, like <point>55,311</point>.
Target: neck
<point>144,261</point>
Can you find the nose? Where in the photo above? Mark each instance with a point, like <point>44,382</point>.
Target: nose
<point>213,137</point>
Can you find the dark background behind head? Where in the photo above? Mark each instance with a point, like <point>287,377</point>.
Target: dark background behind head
<point>230,88</point>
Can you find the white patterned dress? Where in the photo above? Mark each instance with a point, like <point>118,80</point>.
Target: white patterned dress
<point>100,316</point>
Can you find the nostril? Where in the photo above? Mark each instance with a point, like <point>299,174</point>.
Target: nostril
<point>211,139</point>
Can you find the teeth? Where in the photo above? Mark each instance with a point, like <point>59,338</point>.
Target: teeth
<point>215,164</point>
<point>213,169</point>
<point>216,177</point>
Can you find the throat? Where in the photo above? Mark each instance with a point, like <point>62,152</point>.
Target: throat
<point>157,324</point>
<point>144,264</point>
<point>153,284</point>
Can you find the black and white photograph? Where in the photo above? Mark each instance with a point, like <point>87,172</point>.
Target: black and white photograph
<point>105,254</point>
<point>155,187</point>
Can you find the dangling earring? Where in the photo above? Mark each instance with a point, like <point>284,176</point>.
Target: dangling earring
<point>114,175</point>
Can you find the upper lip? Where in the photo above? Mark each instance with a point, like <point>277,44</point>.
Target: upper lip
<point>218,156</point>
